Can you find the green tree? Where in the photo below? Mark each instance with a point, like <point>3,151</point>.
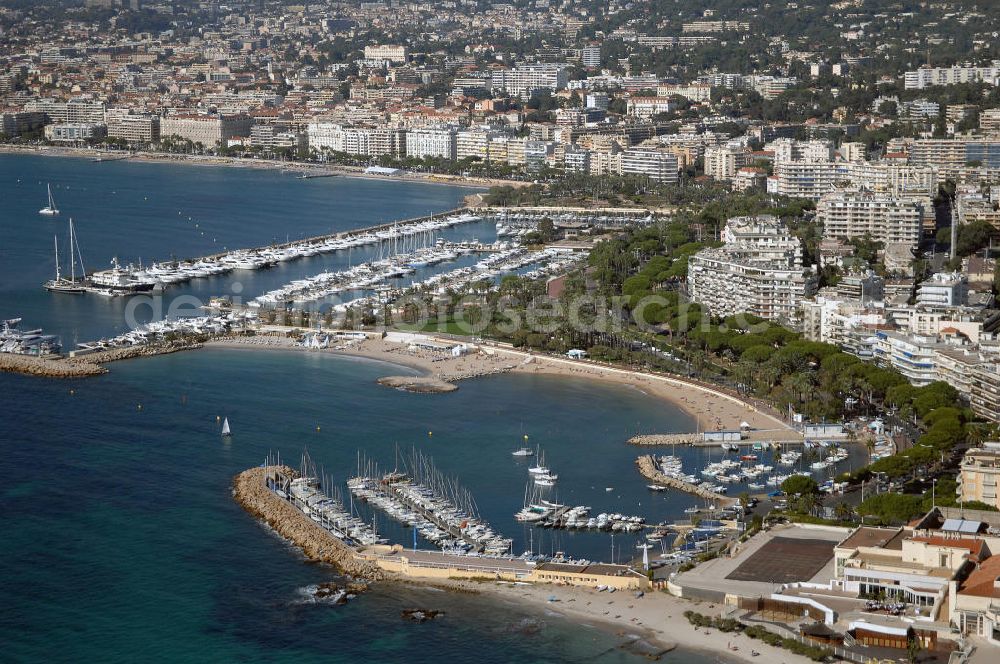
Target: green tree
<point>800,485</point>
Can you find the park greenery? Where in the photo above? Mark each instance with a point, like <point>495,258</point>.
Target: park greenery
<point>639,318</point>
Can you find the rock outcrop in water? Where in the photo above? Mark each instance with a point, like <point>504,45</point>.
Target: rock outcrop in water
<point>418,384</point>
<point>317,544</point>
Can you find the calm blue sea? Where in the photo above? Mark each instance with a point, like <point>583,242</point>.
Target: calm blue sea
<point>121,541</point>
<point>144,212</point>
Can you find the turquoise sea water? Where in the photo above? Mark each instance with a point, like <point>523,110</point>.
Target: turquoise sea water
<point>121,541</point>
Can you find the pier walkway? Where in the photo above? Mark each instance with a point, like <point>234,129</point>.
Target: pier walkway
<point>422,562</point>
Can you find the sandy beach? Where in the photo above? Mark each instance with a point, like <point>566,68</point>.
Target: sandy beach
<point>211,160</point>
<point>713,409</point>
<point>657,617</point>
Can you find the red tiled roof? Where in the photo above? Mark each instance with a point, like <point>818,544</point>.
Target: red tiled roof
<point>973,546</point>
<point>981,582</point>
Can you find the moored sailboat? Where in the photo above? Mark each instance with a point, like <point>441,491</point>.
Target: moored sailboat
<point>61,284</point>
<point>50,210</point>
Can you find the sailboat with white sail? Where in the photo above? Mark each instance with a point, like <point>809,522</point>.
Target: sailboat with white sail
<point>50,210</point>
<point>226,432</point>
<point>72,285</point>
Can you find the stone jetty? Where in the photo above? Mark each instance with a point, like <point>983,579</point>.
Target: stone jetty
<point>648,469</point>
<point>90,364</point>
<point>55,367</point>
<point>251,492</point>
<point>130,352</point>
<point>654,439</point>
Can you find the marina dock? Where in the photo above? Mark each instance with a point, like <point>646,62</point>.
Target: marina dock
<point>648,469</point>
<point>259,491</point>
<point>130,279</point>
<point>432,504</point>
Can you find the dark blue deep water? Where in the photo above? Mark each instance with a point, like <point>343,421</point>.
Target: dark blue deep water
<point>121,542</point>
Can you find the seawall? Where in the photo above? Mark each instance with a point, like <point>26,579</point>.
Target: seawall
<point>83,365</point>
<point>55,367</point>
<point>251,492</point>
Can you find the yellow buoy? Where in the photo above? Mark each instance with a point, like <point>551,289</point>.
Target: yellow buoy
<point>217,418</point>
<point>317,428</point>
<point>430,433</point>
<point>526,436</point>
<point>139,407</point>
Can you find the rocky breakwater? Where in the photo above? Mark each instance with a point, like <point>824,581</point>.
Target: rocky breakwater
<point>657,439</point>
<point>54,367</point>
<point>129,352</point>
<point>83,366</point>
<point>251,492</point>
<point>648,469</point>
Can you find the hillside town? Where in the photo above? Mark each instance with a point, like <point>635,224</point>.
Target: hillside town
<point>794,203</point>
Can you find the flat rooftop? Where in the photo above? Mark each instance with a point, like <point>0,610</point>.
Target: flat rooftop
<point>882,538</point>
<point>715,576</point>
<point>785,560</point>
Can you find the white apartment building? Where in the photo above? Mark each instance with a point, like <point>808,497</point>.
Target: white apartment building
<point>696,92</point>
<point>432,142</point>
<point>525,79</point>
<point>789,149</point>
<point>208,130</point>
<point>364,141</point>
<point>914,356</point>
<point>722,162</point>
<point>813,179</point>
<point>74,110</point>
<point>474,143</point>
<point>980,472</point>
<point>849,214</point>
<point>74,131</point>
<point>896,179</point>
<point>943,289</point>
<point>647,107</point>
<point>135,128</point>
<point>590,56</point>
<point>989,120</point>
<point>807,179</point>
<point>386,52</point>
<point>657,165</point>
<point>929,76</point>
<point>852,151</point>
<point>758,271</point>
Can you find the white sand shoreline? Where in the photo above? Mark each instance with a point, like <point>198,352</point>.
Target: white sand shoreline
<point>657,617</point>
<point>711,408</point>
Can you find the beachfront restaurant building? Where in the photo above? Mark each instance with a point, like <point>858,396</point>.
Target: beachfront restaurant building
<point>899,564</point>
<point>588,575</point>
